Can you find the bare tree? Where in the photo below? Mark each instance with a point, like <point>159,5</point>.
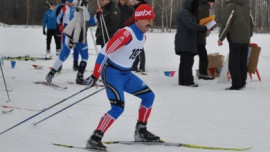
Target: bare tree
<point>30,12</point>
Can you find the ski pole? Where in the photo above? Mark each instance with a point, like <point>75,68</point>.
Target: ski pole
<point>4,82</point>
<point>49,5</point>
<point>106,30</point>
<point>43,111</point>
<point>69,106</point>
<point>103,23</point>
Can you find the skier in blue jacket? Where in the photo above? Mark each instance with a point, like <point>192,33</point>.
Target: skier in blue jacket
<point>49,21</point>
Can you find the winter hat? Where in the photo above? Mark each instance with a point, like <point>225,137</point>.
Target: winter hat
<point>144,11</point>
<point>69,1</point>
<point>211,1</point>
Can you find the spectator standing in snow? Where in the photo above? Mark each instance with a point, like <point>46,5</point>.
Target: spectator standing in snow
<point>237,25</point>
<point>125,12</point>
<point>203,12</point>
<point>111,14</point>
<point>49,21</point>
<point>186,41</point>
<point>114,63</point>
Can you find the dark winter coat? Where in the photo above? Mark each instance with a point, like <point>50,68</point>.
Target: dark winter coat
<point>237,22</point>
<point>203,12</point>
<point>111,16</point>
<point>187,28</point>
<point>125,13</point>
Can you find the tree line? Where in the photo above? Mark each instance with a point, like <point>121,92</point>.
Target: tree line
<point>30,12</point>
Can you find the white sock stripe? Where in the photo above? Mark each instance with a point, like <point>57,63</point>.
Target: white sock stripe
<point>105,122</point>
<point>144,117</point>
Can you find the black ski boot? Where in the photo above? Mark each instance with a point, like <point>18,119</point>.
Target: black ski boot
<point>81,69</point>
<point>142,134</point>
<point>95,141</point>
<point>205,77</point>
<point>50,75</point>
<point>80,79</point>
<point>75,66</point>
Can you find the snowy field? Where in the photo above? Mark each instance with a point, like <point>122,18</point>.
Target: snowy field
<point>207,115</point>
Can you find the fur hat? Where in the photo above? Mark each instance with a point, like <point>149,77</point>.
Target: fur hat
<point>144,11</point>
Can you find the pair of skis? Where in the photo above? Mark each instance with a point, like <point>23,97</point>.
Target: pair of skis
<point>161,143</point>
<point>25,58</point>
<point>50,84</point>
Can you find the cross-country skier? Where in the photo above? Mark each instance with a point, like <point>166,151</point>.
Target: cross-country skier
<point>75,35</point>
<point>114,64</point>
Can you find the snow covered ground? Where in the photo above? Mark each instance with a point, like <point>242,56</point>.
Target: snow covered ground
<point>207,115</point>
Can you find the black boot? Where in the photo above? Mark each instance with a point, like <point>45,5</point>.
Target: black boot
<point>205,77</point>
<point>80,79</point>
<point>142,134</point>
<point>50,75</point>
<point>95,141</point>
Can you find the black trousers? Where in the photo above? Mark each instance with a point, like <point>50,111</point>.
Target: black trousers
<point>203,62</point>
<point>140,58</point>
<point>185,69</point>
<point>57,38</point>
<point>238,64</point>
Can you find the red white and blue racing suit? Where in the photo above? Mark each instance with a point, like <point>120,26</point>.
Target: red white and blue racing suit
<point>113,64</point>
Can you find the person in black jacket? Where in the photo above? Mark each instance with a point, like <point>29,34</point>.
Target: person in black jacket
<point>186,41</point>
<point>125,12</point>
<point>111,15</point>
<point>203,12</point>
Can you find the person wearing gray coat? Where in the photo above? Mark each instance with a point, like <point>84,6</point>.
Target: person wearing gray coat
<point>237,26</point>
<point>186,40</point>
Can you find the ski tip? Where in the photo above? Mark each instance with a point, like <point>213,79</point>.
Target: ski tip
<point>110,142</point>
<point>8,111</point>
<point>214,148</point>
<point>62,145</point>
